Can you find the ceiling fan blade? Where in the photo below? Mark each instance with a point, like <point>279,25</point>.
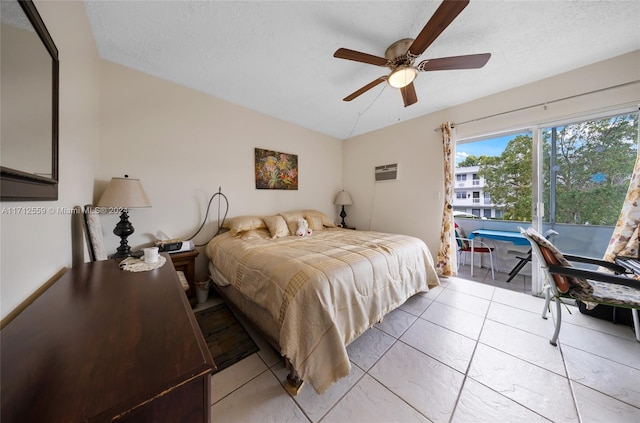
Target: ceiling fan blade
<point>345,53</point>
<point>444,15</point>
<point>365,88</point>
<point>409,95</point>
<point>471,61</point>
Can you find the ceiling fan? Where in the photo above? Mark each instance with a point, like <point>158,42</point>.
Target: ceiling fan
<point>401,55</point>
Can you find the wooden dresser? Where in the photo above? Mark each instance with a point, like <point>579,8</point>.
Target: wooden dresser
<point>104,344</point>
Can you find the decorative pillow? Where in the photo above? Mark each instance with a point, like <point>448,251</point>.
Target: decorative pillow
<point>562,282</point>
<point>292,219</point>
<point>245,223</point>
<point>312,215</point>
<point>277,226</point>
<point>94,232</point>
<point>315,222</point>
<point>250,234</point>
<point>461,238</point>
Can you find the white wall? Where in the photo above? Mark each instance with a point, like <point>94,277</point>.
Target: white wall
<point>183,145</point>
<point>413,204</point>
<point>35,247</point>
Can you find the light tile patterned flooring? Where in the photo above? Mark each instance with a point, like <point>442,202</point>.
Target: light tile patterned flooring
<point>463,352</point>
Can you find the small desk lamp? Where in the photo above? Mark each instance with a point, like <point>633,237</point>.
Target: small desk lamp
<point>343,199</point>
<point>124,193</point>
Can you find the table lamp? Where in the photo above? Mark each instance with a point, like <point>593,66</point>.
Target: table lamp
<point>343,198</point>
<point>124,194</point>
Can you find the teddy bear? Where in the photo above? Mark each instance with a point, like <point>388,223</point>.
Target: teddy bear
<point>303,228</point>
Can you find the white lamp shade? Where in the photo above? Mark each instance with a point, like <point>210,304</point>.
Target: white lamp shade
<point>125,193</point>
<point>402,76</point>
<point>343,198</point>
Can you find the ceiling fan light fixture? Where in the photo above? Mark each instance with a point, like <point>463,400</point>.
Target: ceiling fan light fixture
<point>402,76</point>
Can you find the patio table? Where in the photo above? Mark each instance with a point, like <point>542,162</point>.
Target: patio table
<point>516,238</point>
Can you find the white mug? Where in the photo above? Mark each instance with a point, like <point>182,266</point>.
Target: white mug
<point>151,255</point>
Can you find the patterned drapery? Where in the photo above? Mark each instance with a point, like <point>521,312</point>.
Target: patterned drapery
<point>624,241</point>
<point>446,262</point>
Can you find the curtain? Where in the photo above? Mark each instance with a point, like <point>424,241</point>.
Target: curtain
<point>447,261</point>
<point>624,241</point>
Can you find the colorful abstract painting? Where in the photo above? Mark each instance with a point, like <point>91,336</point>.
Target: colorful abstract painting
<point>275,170</point>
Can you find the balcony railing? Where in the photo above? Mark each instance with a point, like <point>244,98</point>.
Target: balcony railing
<point>583,240</point>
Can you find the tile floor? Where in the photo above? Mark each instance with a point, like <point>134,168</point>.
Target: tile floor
<point>520,283</point>
<point>463,352</point>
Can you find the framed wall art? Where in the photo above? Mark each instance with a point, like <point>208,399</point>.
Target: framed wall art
<point>276,170</point>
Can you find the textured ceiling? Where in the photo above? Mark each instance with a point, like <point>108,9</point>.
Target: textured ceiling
<point>276,57</point>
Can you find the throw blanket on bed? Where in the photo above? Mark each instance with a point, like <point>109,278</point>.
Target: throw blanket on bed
<point>324,290</point>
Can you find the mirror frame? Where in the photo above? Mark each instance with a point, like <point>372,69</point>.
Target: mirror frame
<point>16,185</point>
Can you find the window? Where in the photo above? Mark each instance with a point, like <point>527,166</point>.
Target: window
<point>461,177</point>
<point>504,164</point>
<point>461,195</point>
<point>584,173</point>
<point>487,213</point>
<point>587,167</point>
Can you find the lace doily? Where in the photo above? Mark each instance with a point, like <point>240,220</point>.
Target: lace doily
<point>132,264</point>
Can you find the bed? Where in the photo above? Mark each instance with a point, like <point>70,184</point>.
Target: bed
<point>313,295</point>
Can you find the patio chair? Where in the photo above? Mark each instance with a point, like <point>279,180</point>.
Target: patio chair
<point>464,246</point>
<point>592,287</point>
<point>549,234</point>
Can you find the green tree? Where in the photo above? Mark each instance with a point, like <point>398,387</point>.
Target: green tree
<point>508,178</point>
<point>483,160</point>
<point>594,162</point>
<point>469,161</point>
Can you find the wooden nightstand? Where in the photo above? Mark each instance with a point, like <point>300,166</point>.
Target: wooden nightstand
<point>186,262</point>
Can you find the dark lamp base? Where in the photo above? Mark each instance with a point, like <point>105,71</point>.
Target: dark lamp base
<point>343,214</point>
<point>123,229</point>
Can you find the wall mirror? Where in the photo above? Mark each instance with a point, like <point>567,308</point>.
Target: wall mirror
<point>28,105</point>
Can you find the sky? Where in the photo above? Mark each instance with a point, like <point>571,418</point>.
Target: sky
<point>490,147</point>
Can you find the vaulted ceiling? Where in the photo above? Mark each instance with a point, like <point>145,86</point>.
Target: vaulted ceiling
<point>276,57</point>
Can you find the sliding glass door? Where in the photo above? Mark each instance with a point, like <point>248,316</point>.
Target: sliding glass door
<point>569,176</point>
<point>584,172</point>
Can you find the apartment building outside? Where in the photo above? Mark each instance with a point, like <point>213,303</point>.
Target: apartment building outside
<point>470,197</point>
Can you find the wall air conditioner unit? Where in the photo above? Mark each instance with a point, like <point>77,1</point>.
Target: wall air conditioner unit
<point>388,172</point>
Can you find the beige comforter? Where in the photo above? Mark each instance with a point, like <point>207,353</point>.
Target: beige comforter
<point>325,289</point>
